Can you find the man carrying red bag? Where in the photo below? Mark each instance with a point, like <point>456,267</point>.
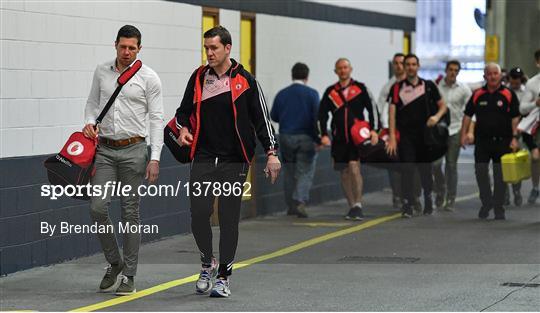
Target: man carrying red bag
<point>122,153</point>
<point>347,100</point>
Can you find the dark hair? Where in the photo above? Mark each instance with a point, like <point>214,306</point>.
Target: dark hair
<point>399,54</point>
<point>453,62</point>
<point>300,71</point>
<point>409,56</point>
<point>222,32</point>
<point>537,55</point>
<point>129,31</point>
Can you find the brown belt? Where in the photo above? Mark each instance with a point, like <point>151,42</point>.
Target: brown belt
<point>121,142</point>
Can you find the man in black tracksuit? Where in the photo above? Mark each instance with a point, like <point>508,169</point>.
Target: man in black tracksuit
<point>408,113</point>
<point>496,108</point>
<point>222,111</point>
<point>347,100</point>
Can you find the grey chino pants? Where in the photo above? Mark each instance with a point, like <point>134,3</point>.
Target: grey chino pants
<point>126,165</point>
<point>446,183</point>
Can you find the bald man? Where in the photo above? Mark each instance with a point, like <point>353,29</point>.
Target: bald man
<point>347,100</point>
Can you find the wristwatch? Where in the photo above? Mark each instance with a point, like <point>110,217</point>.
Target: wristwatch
<point>271,152</point>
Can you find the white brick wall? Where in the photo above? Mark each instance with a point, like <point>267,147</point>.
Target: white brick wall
<point>283,41</point>
<point>49,50</point>
<point>231,20</point>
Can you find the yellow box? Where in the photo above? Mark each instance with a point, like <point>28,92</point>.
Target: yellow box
<point>516,166</point>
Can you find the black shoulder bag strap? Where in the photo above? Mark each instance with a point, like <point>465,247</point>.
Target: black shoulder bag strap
<point>122,80</point>
<point>427,96</point>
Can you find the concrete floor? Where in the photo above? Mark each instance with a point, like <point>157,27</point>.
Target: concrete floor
<point>444,262</point>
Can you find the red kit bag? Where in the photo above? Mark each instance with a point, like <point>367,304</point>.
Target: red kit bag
<point>360,132</point>
<point>74,165</point>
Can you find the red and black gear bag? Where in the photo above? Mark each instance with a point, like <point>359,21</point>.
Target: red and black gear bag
<point>374,154</point>
<point>74,165</point>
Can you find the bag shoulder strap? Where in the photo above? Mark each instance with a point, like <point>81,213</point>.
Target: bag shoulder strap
<point>122,80</point>
<point>427,96</point>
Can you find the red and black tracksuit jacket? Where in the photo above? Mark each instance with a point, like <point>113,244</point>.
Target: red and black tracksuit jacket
<point>250,113</point>
<point>345,110</point>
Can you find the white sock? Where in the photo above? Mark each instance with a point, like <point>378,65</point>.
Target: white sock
<point>358,204</point>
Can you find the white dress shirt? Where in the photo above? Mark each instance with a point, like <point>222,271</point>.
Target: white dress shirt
<point>140,97</point>
<point>455,96</point>
<point>382,103</point>
<point>530,95</point>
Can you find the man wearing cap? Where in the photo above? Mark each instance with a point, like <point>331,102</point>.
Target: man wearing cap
<point>347,100</point>
<point>516,82</point>
<point>496,108</point>
<point>122,154</point>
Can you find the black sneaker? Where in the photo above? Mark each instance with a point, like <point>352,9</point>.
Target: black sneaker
<point>407,211</point>
<point>439,201</point>
<point>301,211</point>
<point>518,199</point>
<point>507,197</point>
<point>499,213</point>
<point>533,196</point>
<point>483,213</point>
<point>127,286</point>
<point>449,205</point>
<point>417,207</point>
<point>355,213</point>
<point>428,206</point>
<point>110,278</point>
<point>500,217</point>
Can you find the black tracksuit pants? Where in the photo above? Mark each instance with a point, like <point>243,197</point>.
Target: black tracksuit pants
<point>412,154</point>
<point>491,150</point>
<point>220,173</point>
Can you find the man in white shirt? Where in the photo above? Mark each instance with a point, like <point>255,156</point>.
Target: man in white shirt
<point>122,155</point>
<point>528,102</point>
<point>455,95</point>
<point>516,82</point>
<point>382,106</point>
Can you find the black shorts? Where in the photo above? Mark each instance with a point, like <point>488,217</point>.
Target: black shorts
<point>342,153</point>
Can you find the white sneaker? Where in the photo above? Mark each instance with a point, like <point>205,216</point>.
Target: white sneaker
<point>206,278</point>
<point>221,289</point>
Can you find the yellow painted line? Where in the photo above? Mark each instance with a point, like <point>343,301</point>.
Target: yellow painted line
<point>278,253</point>
<point>322,224</point>
<point>249,262</point>
<point>468,197</point>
